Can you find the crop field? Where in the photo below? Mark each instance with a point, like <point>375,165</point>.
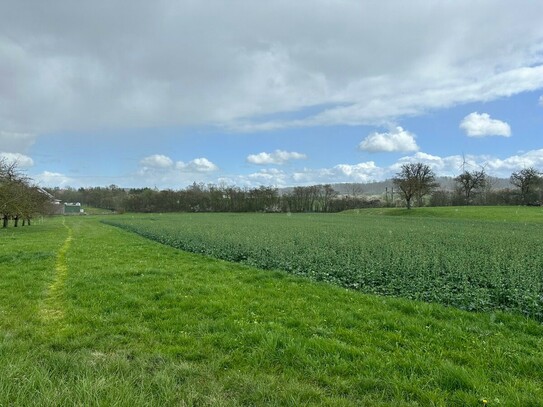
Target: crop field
<point>93,315</point>
<point>478,259</point>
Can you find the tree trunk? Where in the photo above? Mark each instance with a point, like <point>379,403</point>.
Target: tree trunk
<point>15,221</point>
<point>5,221</point>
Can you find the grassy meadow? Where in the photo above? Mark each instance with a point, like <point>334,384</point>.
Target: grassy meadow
<point>91,314</point>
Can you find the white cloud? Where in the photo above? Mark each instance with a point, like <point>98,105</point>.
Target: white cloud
<point>163,163</point>
<point>481,125</point>
<point>445,166</point>
<point>54,179</point>
<point>174,65</point>
<point>361,172</point>
<point>364,170</point>
<point>162,172</point>
<point>383,104</point>
<point>455,164</point>
<point>197,165</point>
<point>533,158</point>
<point>157,161</point>
<point>395,140</point>
<point>270,176</point>
<point>277,157</point>
<point>23,161</point>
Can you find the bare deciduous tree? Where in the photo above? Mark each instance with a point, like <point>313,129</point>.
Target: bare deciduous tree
<point>469,182</point>
<point>527,181</point>
<point>415,180</point>
<point>18,199</point>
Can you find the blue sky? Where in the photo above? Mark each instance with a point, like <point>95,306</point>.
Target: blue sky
<point>272,93</point>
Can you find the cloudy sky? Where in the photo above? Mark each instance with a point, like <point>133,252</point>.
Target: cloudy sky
<point>165,93</point>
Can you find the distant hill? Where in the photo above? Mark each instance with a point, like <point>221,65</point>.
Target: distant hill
<point>379,188</point>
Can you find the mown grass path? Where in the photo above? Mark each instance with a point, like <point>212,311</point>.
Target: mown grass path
<point>53,309</point>
<point>145,324</point>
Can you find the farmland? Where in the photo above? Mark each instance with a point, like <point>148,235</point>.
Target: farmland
<point>96,315</point>
<point>480,259</point>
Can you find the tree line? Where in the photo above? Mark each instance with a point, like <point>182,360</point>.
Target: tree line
<point>215,198</point>
<point>417,182</point>
<point>415,185</point>
<point>19,199</point>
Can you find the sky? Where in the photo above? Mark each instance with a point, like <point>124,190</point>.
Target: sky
<point>281,93</point>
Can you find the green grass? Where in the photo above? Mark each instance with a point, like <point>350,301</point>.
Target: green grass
<point>110,318</point>
<point>477,265</point>
<point>90,210</point>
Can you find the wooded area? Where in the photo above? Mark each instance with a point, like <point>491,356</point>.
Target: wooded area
<point>418,181</point>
